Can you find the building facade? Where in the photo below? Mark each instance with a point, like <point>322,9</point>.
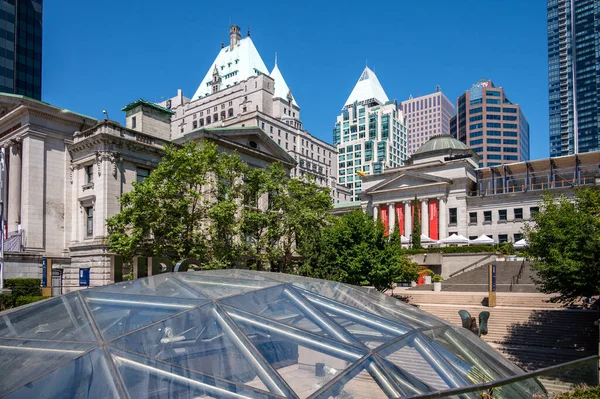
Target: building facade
<point>494,127</point>
<point>426,116</point>
<point>573,76</point>
<point>21,47</point>
<point>370,133</point>
<point>239,91</point>
<point>66,173</point>
<point>455,196</point>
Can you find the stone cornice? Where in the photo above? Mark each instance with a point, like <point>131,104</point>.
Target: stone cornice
<point>102,139</point>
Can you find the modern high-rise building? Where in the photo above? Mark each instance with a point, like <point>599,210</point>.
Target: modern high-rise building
<point>426,116</point>
<point>574,76</point>
<point>21,47</point>
<point>488,122</point>
<point>370,133</point>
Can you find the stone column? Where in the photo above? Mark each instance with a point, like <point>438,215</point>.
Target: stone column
<point>425,217</point>
<point>442,212</point>
<point>391,217</point>
<point>14,185</point>
<point>33,198</point>
<point>375,212</point>
<point>407,220</point>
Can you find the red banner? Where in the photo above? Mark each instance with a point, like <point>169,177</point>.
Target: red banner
<point>400,217</point>
<point>383,212</point>
<point>433,219</point>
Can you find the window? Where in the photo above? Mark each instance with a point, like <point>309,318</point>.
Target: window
<point>518,213</point>
<point>534,210</point>
<point>141,174</point>
<point>487,217</point>
<point>502,215</point>
<point>453,216</point>
<point>473,217</point>
<point>517,236</point>
<point>230,112</point>
<point>89,221</point>
<point>502,238</point>
<point>89,174</point>
<point>133,122</point>
<point>194,124</point>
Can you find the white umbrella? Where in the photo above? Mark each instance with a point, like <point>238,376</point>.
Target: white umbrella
<point>522,243</point>
<point>455,239</point>
<point>482,239</point>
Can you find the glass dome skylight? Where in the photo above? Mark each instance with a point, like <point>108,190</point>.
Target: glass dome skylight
<point>239,334</point>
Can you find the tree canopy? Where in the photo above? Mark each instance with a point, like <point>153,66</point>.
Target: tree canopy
<point>353,249</point>
<point>206,204</point>
<point>565,244</point>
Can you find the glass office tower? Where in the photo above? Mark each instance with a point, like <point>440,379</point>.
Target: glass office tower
<point>573,76</point>
<point>21,47</point>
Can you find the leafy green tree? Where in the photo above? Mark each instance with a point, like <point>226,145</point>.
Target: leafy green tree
<point>564,242</point>
<point>185,208</point>
<point>416,234</point>
<point>353,249</point>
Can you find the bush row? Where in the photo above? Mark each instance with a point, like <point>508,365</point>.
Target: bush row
<point>23,291</point>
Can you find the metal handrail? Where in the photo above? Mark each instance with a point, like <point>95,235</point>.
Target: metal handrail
<point>517,277</point>
<point>534,186</point>
<point>503,381</point>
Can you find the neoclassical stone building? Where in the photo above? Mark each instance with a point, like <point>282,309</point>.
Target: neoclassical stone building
<point>455,196</point>
<point>65,173</point>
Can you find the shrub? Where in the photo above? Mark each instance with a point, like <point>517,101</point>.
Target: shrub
<point>427,272</point>
<point>24,300</point>
<point>6,301</point>
<point>24,286</point>
<point>581,393</point>
<point>437,278</point>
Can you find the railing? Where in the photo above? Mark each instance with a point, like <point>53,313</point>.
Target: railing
<point>14,242</point>
<point>516,278</point>
<point>534,186</point>
<point>578,372</point>
<point>484,259</point>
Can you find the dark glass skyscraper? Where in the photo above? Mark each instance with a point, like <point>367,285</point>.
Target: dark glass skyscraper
<point>21,47</point>
<point>574,75</point>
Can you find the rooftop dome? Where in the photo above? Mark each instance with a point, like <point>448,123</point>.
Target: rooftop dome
<point>239,334</point>
<point>438,143</point>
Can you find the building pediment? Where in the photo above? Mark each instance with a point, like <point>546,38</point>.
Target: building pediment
<point>407,180</point>
<point>247,140</point>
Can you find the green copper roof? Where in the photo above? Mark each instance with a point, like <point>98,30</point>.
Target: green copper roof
<point>442,142</point>
<point>33,100</point>
<point>148,103</point>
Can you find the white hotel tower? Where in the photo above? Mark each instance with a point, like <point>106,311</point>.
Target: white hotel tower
<point>370,133</point>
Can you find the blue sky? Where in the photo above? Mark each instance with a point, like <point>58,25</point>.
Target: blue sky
<point>103,55</point>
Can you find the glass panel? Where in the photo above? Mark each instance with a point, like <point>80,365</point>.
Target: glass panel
<point>159,285</point>
<point>304,365</point>
<point>193,340</point>
<point>356,384</point>
<point>274,304</point>
<point>219,287</point>
<point>415,355</point>
<point>22,361</point>
<point>237,273</point>
<point>85,377</point>
<point>60,319</point>
<point>119,314</point>
<point>145,378</point>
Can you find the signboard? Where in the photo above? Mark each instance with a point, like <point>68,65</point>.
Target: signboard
<point>400,217</point>
<point>44,272</point>
<point>493,277</point>
<point>383,211</point>
<point>84,277</point>
<point>433,219</point>
<point>492,285</point>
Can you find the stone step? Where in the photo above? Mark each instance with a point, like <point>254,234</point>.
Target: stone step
<point>529,300</point>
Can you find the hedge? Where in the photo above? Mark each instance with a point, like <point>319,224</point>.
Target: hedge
<point>24,300</point>
<point>24,286</point>
<point>452,250</point>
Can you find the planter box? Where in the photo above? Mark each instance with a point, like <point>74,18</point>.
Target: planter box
<point>437,286</point>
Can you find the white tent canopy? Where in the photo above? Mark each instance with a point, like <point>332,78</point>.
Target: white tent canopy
<point>455,239</point>
<point>482,239</point>
<point>427,240</point>
<point>522,243</point>
<point>404,240</point>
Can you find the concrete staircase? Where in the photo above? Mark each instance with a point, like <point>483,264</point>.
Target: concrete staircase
<point>532,338</point>
<point>476,279</point>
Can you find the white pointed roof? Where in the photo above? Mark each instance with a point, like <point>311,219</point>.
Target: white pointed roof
<point>367,89</point>
<point>233,65</point>
<point>281,88</point>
